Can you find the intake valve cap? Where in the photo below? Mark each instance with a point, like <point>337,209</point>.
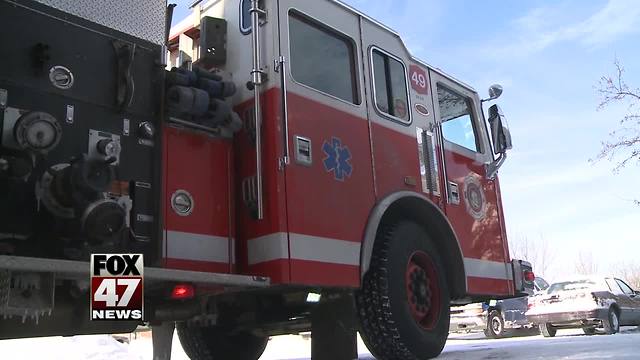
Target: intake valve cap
<point>103,221</point>
<point>37,131</point>
<point>109,148</point>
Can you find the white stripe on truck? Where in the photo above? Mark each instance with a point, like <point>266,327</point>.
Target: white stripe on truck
<point>198,247</point>
<point>279,246</point>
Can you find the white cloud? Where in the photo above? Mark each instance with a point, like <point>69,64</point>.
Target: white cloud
<point>547,26</point>
<point>554,176</point>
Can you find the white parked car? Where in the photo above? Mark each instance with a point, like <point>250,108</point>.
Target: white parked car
<point>595,304</point>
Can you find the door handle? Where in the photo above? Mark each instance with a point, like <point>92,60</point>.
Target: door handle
<point>454,193</point>
<point>281,64</point>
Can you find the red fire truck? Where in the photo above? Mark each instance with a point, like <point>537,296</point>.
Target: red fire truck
<point>293,168</point>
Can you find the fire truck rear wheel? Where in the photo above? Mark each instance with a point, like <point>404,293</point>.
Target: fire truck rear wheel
<point>214,343</point>
<point>403,305</point>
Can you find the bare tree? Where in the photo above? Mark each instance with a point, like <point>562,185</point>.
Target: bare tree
<point>585,264</point>
<point>629,272</point>
<point>537,252</point>
<point>623,145</point>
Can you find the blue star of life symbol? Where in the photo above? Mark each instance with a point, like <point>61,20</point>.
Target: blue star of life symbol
<point>337,159</point>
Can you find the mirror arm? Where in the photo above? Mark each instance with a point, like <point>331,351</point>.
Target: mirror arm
<point>492,169</point>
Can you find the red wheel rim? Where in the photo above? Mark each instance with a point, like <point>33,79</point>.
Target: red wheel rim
<point>423,290</point>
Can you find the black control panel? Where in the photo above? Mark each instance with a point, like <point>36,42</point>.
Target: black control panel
<point>80,144</point>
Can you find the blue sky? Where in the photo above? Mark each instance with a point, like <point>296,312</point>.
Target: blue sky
<point>549,56</point>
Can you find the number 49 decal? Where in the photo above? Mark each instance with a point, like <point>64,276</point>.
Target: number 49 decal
<point>419,80</point>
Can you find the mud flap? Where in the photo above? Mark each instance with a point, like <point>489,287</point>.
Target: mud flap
<point>162,338</point>
<point>333,330</point>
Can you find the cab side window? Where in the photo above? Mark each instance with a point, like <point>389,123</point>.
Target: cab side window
<point>456,115</point>
<point>390,85</point>
<point>322,58</point>
<point>245,16</point>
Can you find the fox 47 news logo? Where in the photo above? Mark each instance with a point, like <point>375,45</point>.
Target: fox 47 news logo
<point>116,287</point>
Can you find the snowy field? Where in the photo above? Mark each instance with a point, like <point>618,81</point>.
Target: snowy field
<point>567,345</point>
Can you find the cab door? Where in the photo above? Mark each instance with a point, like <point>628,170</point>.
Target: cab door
<point>473,200</point>
<point>329,184</point>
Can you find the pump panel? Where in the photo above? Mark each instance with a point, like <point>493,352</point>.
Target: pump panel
<point>79,158</point>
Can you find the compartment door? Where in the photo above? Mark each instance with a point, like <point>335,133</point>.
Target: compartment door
<point>329,181</point>
<point>197,202</point>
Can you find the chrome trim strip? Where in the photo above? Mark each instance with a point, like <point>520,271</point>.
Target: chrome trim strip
<point>422,159</point>
<point>268,248</point>
<point>487,269</point>
<point>198,247</point>
<point>283,246</point>
<point>434,158</point>
<point>334,251</point>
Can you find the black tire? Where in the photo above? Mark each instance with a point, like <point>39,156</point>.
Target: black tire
<point>589,330</point>
<point>547,330</point>
<point>495,325</point>
<point>213,343</point>
<point>389,309</point>
<point>611,324</point>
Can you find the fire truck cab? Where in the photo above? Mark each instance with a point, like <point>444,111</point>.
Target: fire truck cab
<point>294,167</point>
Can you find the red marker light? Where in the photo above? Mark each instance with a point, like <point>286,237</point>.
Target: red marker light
<point>529,275</point>
<point>182,292</point>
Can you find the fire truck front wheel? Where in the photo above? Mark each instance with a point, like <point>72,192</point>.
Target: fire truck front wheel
<point>403,305</point>
<point>214,343</point>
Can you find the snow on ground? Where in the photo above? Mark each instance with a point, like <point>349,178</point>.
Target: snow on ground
<point>567,345</point>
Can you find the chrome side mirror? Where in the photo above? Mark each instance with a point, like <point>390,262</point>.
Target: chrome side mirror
<point>501,138</point>
<point>495,91</point>
<point>500,133</point>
